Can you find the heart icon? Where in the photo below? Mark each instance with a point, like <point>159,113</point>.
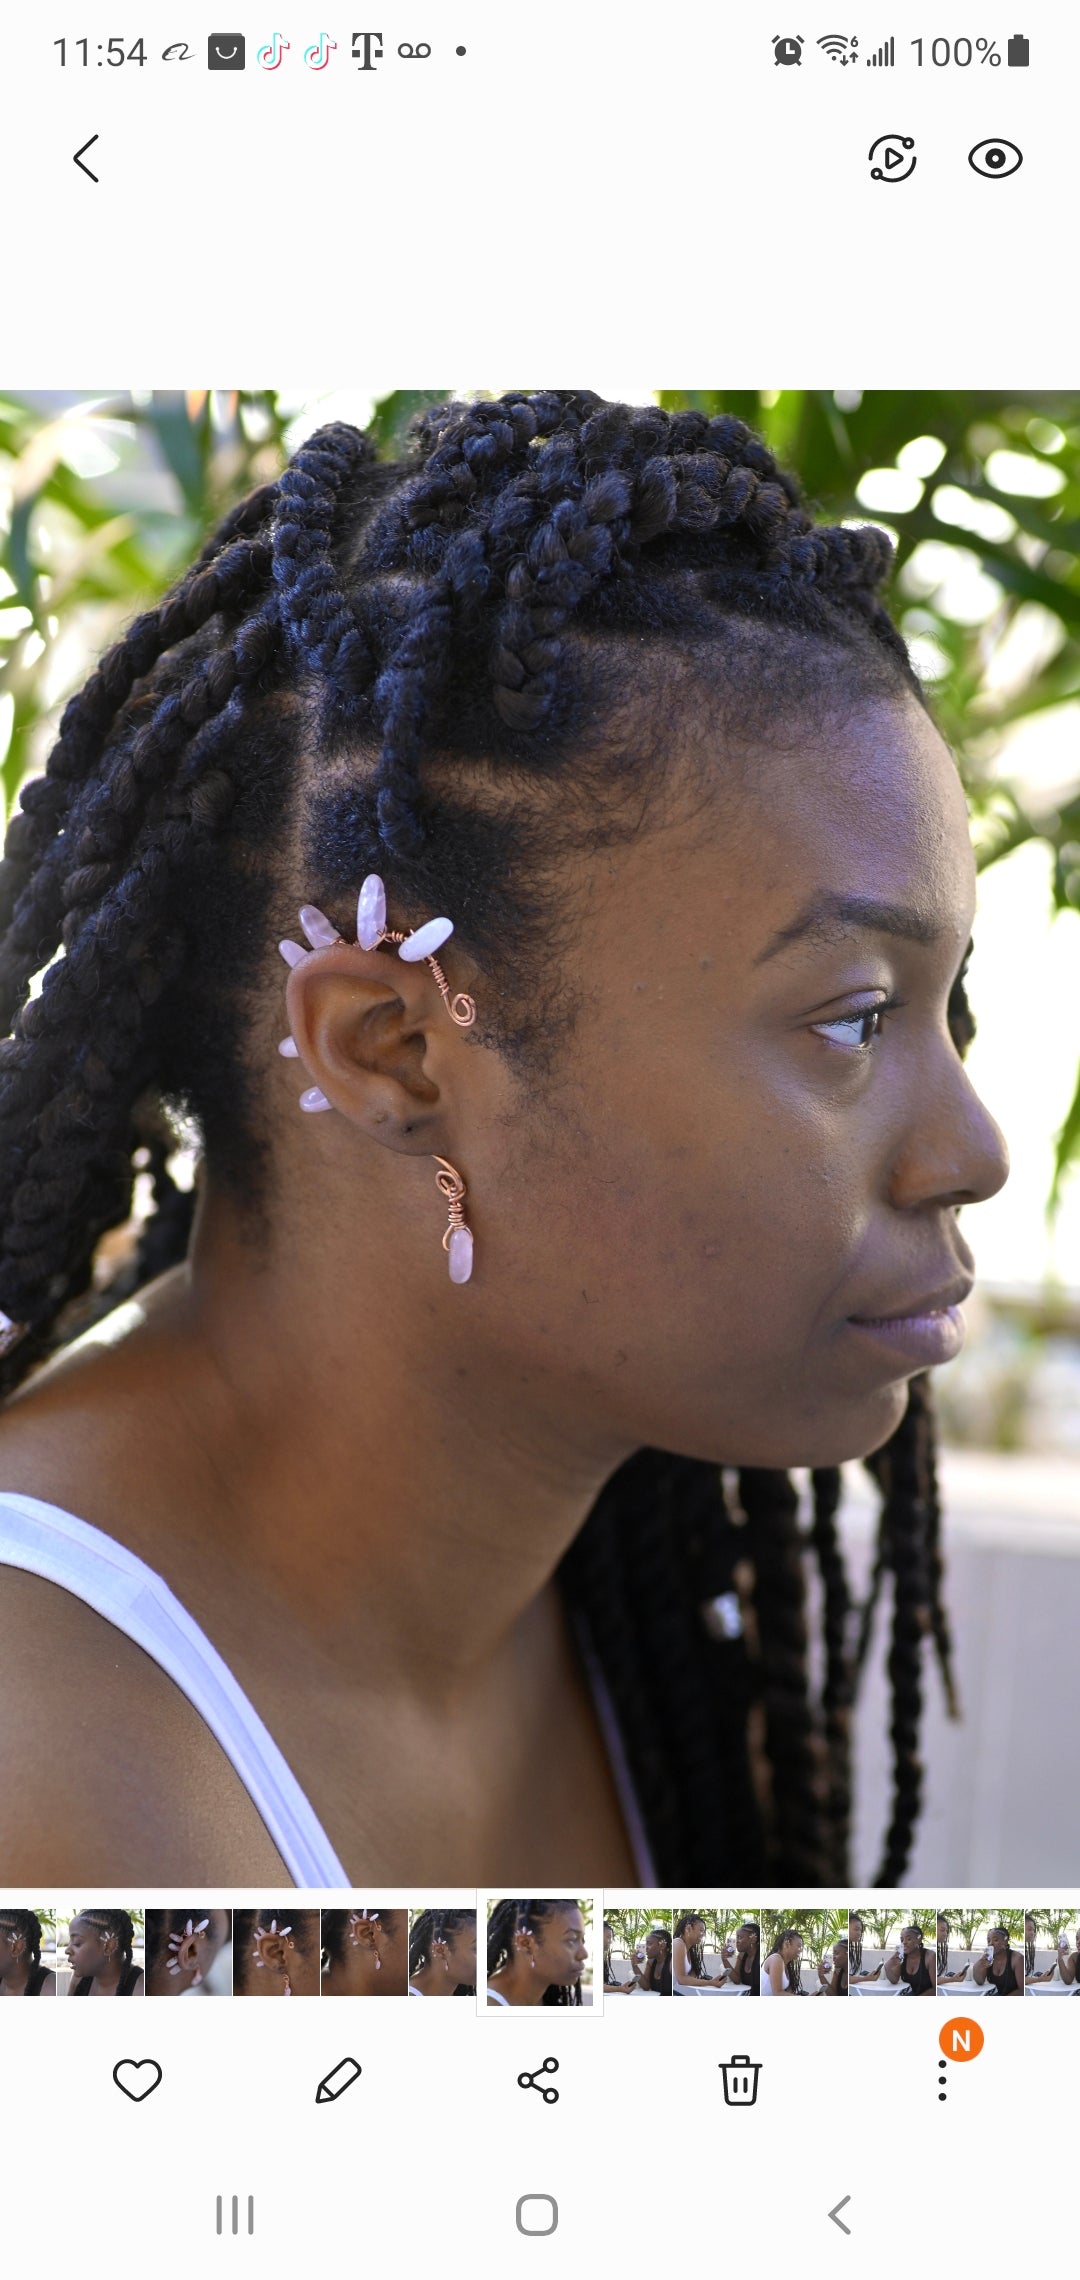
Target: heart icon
<point>136,2077</point>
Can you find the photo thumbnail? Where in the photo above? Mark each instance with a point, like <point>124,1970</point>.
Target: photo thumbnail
<point>442,1951</point>
<point>983,1950</point>
<point>26,1936</point>
<point>1052,1951</point>
<point>189,1951</point>
<point>276,1950</point>
<point>892,1950</point>
<point>365,1951</point>
<point>104,1950</point>
<point>637,1951</point>
<point>805,1952</point>
<point>539,1952</point>
<point>716,1951</point>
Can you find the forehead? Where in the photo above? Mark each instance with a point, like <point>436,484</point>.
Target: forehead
<point>870,808</point>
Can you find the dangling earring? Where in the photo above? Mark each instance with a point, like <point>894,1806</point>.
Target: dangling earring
<point>457,1240</point>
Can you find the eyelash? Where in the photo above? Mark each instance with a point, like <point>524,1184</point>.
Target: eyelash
<point>855,1021</point>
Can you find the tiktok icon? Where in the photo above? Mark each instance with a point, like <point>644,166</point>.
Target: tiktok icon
<point>317,57</point>
<point>269,58</point>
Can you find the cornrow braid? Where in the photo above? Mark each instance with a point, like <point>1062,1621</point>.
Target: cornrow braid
<point>361,651</point>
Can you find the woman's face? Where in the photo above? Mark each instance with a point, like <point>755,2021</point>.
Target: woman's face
<point>792,1948</point>
<point>12,1949</point>
<point>86,1948</point>
<point>730,1173</point>
<point>910,1942</point>
<point>654,1945</point>
<point>560,1946</point>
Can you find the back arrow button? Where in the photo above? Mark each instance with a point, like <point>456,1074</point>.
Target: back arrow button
<point>836,2217</point>
<point>78,158</point>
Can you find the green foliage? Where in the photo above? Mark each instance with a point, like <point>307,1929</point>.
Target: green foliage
<point>101,506</point>
<point>820,1928</point>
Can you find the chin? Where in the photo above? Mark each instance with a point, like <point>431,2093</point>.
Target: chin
<point>855,1431</point>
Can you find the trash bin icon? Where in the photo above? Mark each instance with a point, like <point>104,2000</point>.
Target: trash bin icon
<point>740,2081</point>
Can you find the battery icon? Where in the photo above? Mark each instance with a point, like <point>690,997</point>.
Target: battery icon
<point>1018,51</point>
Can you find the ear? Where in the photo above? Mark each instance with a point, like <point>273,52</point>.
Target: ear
<point>271,1946</point>
<point>375,1039</point>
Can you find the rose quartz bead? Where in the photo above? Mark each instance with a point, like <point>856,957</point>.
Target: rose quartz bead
<point>292,952</point>
<point>314,1099</point>
<point>460,1249</point>
<point>370,911</point>
<point>289,1049</point>
<point>425,942</point>
<point>320,930</point>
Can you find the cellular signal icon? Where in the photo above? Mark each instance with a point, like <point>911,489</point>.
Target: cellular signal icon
<point>839,48</point>
<point>886,53</point>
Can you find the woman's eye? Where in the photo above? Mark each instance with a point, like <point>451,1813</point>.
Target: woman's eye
<point>855,1032</point>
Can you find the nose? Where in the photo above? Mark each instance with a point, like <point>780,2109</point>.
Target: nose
<point>954,1152</point>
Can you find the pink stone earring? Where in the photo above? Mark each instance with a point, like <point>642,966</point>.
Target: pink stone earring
<point>178,1939</point>
<point>371,932</point>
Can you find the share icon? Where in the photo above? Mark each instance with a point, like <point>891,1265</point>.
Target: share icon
<point>548,2093</point>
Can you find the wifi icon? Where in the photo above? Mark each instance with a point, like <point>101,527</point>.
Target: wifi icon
<point>839,48</point>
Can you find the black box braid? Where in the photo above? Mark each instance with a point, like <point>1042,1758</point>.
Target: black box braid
<point>360,651</point>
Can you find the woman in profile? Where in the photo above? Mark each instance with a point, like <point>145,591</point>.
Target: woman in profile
<point>528,874</point>
<point>100,1943</point>
<point>688,1959</point>
<point>780,1971</point>
<point>442,1952</point>
<point>21,1969</point>
<point>365,1951</point>
<point>536,1953</point>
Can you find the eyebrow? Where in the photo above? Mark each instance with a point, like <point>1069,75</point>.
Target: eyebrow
<point>828,910</point>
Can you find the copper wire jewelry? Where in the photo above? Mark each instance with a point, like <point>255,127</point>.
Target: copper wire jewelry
<point>422,943</point>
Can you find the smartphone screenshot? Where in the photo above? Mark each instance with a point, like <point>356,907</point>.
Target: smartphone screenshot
<point>539,1140</point>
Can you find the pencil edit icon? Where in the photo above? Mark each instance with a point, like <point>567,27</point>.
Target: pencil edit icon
<point>341,2077</point>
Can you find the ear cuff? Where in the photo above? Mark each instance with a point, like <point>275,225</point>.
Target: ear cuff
<point>177,1940</point>
<point>422,943</point>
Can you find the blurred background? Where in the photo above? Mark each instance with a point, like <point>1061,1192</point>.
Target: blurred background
<point>103,500</point>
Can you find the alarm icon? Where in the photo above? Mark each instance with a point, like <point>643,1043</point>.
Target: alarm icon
<point>788,51</point>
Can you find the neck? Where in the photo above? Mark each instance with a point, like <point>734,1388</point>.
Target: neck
<point>401,1492</point>
<point>16,1979</point>
<point>521,1986</point>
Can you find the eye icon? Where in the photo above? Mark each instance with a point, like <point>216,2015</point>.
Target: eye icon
<point>995,158</point>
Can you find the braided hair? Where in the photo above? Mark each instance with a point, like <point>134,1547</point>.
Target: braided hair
<point>118,1923</point>
<point>694,1954</point>
<point>511,1917</point>
<point>435,1924</point>
<point>360,653</point>
<point>657,1974</point>
<point>794,1967</point>
<point>22,1923</point>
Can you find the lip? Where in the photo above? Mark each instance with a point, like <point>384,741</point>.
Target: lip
<point>925,1339</point>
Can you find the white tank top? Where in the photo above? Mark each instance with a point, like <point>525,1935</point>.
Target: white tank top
<point>495,1997</point>
<point>47,1541</point>
<point>766,1982</point>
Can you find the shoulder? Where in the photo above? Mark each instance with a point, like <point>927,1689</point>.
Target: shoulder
<point>107,1772</point>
